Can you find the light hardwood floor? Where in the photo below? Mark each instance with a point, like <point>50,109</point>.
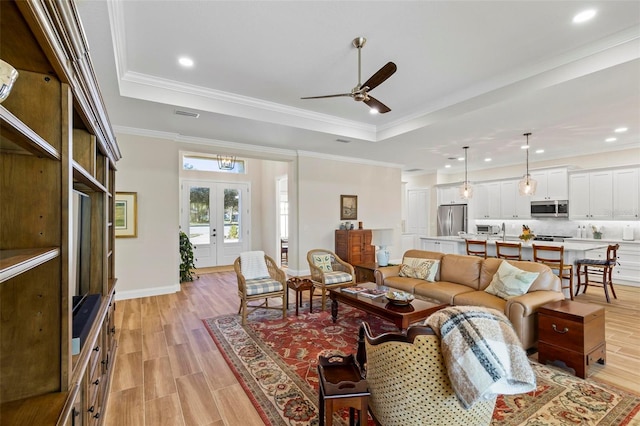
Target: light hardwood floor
<point>168,371</point>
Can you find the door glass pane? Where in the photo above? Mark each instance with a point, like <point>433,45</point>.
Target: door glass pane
<point>232,223</point>
<point>199,216</point>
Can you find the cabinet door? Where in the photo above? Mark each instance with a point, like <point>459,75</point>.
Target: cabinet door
<point>557,184</point>
<point>600,195</point>
<point>508,199</point>
<point>493,200</point>
<point>625,194</point>
<point>449,247</point>
<point>579,196</point>
<point>480,201</point>
<point>542,188</point>
<point>450,195</point>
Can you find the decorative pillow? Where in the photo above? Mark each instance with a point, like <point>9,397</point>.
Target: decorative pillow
<point>509,281</point>
<point>323,261</point>
<point>415,267</point>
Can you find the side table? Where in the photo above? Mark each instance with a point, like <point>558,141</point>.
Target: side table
<point>299,285</point>
<point>341,385</point>
<point>572,332</point>
<point>365,272</point>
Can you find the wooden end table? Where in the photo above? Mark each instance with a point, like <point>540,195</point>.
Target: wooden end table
<point>299,285</point>
<point>365,272</point>
<point>572,332</point>
<point>341,385</point>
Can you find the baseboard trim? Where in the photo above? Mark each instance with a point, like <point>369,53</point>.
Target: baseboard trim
<point>154,291</point>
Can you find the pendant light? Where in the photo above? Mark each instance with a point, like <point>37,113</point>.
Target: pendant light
<point>226,162</point>
<point>527,186</point>
<point>466,190</point>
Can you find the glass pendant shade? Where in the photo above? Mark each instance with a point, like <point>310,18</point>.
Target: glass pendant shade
<point>466,190</point>
<point>226,162</point>
<point>527,186</point>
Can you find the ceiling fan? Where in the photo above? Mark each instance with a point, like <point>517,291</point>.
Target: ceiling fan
<point>360,93</point>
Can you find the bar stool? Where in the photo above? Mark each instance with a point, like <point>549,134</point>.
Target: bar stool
<point>509,251</point>
<point>553,257</point>
<point>477,248</point>
<point>601,269</point>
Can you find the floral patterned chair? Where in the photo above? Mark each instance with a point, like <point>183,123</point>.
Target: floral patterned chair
<point>329,271</point>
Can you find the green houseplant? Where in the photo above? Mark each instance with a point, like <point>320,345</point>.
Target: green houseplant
<point>187,264</point>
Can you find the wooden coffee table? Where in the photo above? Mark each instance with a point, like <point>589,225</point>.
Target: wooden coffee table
<point>401,316</point>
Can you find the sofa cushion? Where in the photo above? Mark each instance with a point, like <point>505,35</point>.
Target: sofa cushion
<point>415,267</point>
<point>480,298</point>
<point>443,291</point>
<point>461,269</point>
<point>403,283</point>
<point>510,281</point>
<point>546,280</point>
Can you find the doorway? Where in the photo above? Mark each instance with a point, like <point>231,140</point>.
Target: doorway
<point>216,215</point>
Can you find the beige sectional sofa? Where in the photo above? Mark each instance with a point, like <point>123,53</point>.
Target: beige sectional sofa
<point>462,280</point>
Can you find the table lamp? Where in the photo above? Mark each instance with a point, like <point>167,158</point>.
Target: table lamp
<point>382,238</point>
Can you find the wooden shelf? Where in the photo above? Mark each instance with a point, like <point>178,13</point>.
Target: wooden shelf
<point>81,176</point>
<point>15,131</point>
<point>38,410</point>
<point>15,262</point>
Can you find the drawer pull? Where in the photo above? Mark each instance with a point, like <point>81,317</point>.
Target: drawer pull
<point>558,331</point>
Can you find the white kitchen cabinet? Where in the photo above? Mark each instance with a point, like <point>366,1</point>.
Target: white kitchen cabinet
<point>418,211</point>
<point>486,199</point>
<point>553,184</point>
<point>625,194</point>
<point>512,204</point>
<point>449,247</point>
<point>450,195</point>
<point>591,195</point>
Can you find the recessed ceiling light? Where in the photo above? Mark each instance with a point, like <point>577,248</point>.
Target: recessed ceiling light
<point>621,130</point>
<point>487,159</point>
<point>185,62</point>
<point>610,139</point>
<point>524,147</point>
<point>460,158</point>
<point>584,16</point>
<point>539,151</point>
<point>447,166</point>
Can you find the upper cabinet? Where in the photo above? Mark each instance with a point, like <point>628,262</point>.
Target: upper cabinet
<point>626,185</point>
<point>486,200</point>
<point>450,195</point>
<point>591,195</point>
<point>552,184</point>
<point>512,204</point>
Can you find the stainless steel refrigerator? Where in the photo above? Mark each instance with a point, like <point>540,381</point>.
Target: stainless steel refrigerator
<point>452,218</point>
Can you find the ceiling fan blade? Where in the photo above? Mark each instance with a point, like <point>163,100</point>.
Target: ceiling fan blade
<point>383,73</point>
<point>327,96</point>
<point>376,104</point>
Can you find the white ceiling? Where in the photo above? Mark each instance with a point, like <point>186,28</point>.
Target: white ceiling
<point>476,73</point>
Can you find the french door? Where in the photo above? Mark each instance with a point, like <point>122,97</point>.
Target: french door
<point>216,215</point>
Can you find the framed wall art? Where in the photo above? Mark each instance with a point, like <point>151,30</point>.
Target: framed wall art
<point>348,207</point>
<point>125,219</point>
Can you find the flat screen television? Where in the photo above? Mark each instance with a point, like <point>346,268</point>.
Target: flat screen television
<point>80,272</point>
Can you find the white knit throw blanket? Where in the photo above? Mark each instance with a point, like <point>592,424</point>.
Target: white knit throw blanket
<point>252,265</point>
<point>482,353</point>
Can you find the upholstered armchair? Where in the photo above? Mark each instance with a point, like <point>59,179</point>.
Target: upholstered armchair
<point>408,381</point>
<point>329,271</point>
<point>259,278</point>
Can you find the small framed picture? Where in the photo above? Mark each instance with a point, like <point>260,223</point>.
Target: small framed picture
<point>125,219</point>
<point>348,207</point>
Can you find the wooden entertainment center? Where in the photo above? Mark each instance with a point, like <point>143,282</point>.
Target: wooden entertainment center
<point>55,137</point>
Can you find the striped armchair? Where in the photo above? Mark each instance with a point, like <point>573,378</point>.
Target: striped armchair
<point>329,271</point>
<point>261,288</point>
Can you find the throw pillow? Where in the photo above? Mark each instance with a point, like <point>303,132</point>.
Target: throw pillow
<point>509,281</point>
<point>323,261</point>
<point>415,267</point>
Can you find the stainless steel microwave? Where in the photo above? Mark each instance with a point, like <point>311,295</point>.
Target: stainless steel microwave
<point>557,208</point>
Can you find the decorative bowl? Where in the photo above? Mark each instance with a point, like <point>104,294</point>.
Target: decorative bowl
<point>399,297</point>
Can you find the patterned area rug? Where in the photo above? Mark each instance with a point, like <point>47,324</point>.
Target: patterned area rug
<point>275,360</point>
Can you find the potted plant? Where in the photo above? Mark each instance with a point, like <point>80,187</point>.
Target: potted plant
<point>526,235</point>
<point>187,264</point>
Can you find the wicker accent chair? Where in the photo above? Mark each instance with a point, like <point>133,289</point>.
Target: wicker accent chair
<point>408,381</point>
<point>261,288</point>
<point>329,271</point>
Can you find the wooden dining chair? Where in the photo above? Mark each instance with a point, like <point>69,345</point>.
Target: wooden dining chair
<point>553,257</point>
<point>477,248</point>
<point>598,272</point>
<point>509,251</point>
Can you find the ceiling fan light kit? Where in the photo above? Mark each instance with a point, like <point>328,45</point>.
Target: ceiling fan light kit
<point>360,93</point>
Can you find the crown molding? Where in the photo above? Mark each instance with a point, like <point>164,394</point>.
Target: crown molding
<point>352,160</point>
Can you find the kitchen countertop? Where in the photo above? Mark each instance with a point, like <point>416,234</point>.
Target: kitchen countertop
<point>574,244</point>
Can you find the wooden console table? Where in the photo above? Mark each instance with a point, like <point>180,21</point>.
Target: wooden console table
<point>572,332</point>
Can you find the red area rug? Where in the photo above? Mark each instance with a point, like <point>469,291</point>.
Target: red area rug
<point>275,361</point>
